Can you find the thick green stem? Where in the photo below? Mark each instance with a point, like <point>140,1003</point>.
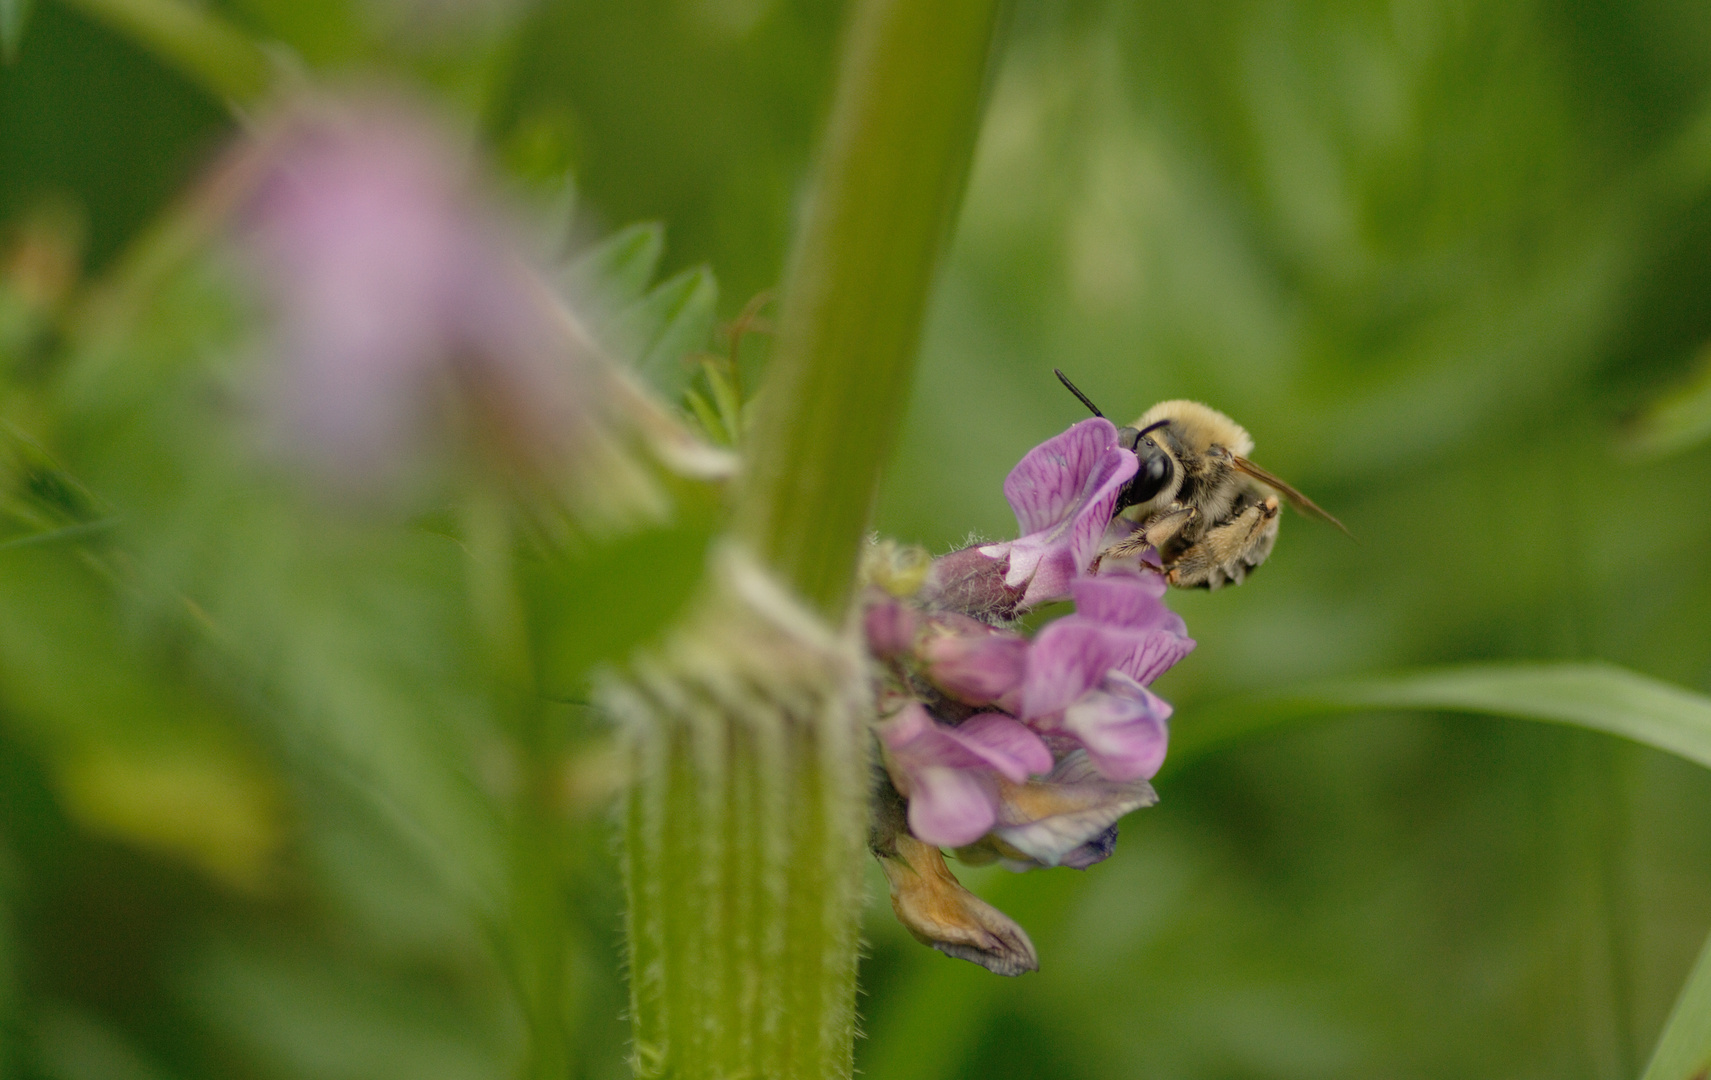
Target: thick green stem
<point>891,174</point>
<point>748,820</point>
<point>744,838</point>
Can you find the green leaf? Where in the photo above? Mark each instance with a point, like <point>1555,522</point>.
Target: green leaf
<point>596,605</point>
<point>674,320</point>
<point>1684,1049</point>
<point>134,753</point>
<point>1679,420</point>
<point>13,15</point>
<point>730,405</point>
<point>1601,697</point>
<point>617,270</point>
<point>76,1045</point>
<point>209,50</point>
<point>710,421</point>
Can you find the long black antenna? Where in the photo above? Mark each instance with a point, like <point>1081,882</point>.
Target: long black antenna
<point>1092,408</point>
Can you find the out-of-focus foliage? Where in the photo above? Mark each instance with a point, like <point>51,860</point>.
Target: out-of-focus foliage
<point>268,781</point>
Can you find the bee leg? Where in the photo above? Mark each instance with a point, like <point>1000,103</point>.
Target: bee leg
<point>1164,528</point>
<point>1226,553</point>
<point>1155,533</point>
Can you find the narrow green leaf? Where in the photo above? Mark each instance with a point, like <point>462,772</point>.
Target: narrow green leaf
<point>14,14</point>
<point>704,412</point>
<point>680,315</point>
<point>1684,1049</point>
<point>730,407</point>
<point>55,536</point>
<point>1680,419</point>
<point>596,605</point>
<point>617,270</point>
<point>203,46</point>
<point>1601,697</point>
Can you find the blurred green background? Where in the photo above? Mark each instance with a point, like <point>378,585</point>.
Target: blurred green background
<point>1443,259</point>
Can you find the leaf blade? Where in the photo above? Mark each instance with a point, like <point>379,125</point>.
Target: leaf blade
<point>1596,696</point>
<point>14,16</point>
<point>676,318</point>
<point>1684,1049</point>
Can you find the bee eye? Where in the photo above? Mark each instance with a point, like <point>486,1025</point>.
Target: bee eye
<point>1155,472</point>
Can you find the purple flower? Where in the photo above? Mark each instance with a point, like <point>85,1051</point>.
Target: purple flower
<point>1087,673</point>
<point>950,774</point>
<point>972,662</point>
<point>1044,781</point>
<point>972,582</point>
<point>395,293</point>
<point>1064,492</point>
<point>890,625</point>
<point>1067,818</point>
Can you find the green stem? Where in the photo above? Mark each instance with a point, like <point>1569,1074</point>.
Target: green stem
<point>891,174</point>
<point>204,47</point>
<point>743,844</point>
<point>534,939</point>
<point>748,819</point>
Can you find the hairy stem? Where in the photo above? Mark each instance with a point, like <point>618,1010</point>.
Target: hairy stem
<point>743,839</point>
<point>748,820</point>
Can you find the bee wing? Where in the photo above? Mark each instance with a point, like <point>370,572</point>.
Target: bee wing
<point>1296,499</point>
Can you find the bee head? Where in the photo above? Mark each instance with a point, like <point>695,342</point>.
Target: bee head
<point>1158,467</point>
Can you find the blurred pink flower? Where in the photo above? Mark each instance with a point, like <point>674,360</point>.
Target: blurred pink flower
<point>402,313</point>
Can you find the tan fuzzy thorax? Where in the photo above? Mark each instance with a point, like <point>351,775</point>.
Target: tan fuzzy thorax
<point>1199,426</point>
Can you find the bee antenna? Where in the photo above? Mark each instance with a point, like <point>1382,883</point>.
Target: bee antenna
<point>1092,408</point>
<point>1152,427</point>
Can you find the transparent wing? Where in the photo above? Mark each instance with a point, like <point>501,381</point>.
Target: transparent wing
<point>1296,499</point>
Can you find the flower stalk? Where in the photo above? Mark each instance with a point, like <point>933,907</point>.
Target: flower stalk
<point>891,174</point>
<point>749,726</point>
<point>744,836</point>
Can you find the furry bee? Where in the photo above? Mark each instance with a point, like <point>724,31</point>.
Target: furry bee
<point>1209,512</point>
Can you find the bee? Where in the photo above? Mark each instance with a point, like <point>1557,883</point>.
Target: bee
<point>1209,512</point>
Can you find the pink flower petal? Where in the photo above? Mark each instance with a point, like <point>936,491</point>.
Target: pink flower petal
<point>950,774</point>
<point>1053,819</point>
<point>951,807</point>
<point>1123,726</point>
<point>1126,598</point>
<point>1007,745</point>
<point>1063,493</point>
<point>1055,478</point>
<point>1069,657</point>
<point>972,662</point>
<point>890,625</point>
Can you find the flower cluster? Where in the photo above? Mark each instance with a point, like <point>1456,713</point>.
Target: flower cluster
<point>1007,747</point>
